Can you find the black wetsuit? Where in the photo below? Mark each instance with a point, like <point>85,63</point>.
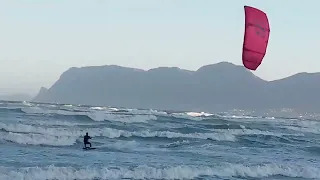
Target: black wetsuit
<point>85,140</point>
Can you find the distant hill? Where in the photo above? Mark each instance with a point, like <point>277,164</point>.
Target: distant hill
<point>215,87</point>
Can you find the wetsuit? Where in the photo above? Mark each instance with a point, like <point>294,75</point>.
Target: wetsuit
<point>85,140</point>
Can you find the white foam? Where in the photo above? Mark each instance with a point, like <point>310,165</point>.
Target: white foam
<point>187,116</point>
<point>238,117</point>
<point>95,115</point>
<point>266,170</point>
<point>171,172</point>
<point>22,128</point>
<point>178,143</point>
<point>38,139</point>
<point>73,133</point>
<point>27,103</point>
<point>39,110</point>
<point>57,134</point>
<point>198,114</point>
<point>98,108</point>
<point>270,118</point>
<point>56,123</point>
<point>169,134</point>
<point>254,132</point>
<point>68,105</point>
<point>146,112</point>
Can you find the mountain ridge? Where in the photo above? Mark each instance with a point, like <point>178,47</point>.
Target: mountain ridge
<point>218,86</point>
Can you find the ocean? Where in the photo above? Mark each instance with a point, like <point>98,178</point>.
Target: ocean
<point>45,141</point>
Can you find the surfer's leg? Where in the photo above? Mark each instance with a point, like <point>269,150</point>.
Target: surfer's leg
<point>90,144</point>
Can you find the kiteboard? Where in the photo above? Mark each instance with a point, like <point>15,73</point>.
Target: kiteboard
<point>88,148</point>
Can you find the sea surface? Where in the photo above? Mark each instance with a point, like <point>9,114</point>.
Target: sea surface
<point>45,141</point>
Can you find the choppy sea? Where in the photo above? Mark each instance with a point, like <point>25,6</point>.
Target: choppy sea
<point>44,141</point>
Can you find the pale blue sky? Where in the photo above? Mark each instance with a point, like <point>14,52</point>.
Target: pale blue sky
<point>41,39</point>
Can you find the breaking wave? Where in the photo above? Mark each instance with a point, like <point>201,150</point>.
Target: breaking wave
<point>146,172</point>
<point>43,141</point>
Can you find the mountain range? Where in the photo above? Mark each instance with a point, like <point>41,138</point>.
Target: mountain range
<point>215,87</point>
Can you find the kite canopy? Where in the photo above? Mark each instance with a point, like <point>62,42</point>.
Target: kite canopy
<point>256,37</point>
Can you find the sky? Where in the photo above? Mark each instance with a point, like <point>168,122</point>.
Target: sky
<point>39,40</point>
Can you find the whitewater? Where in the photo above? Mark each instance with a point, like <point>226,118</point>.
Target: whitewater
<point>45,141</point>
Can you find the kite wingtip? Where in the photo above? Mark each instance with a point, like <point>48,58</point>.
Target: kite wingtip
<point>248,7</point>
<point>251,68</point>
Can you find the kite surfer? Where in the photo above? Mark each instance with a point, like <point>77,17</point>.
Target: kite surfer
<point>86,140</point>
